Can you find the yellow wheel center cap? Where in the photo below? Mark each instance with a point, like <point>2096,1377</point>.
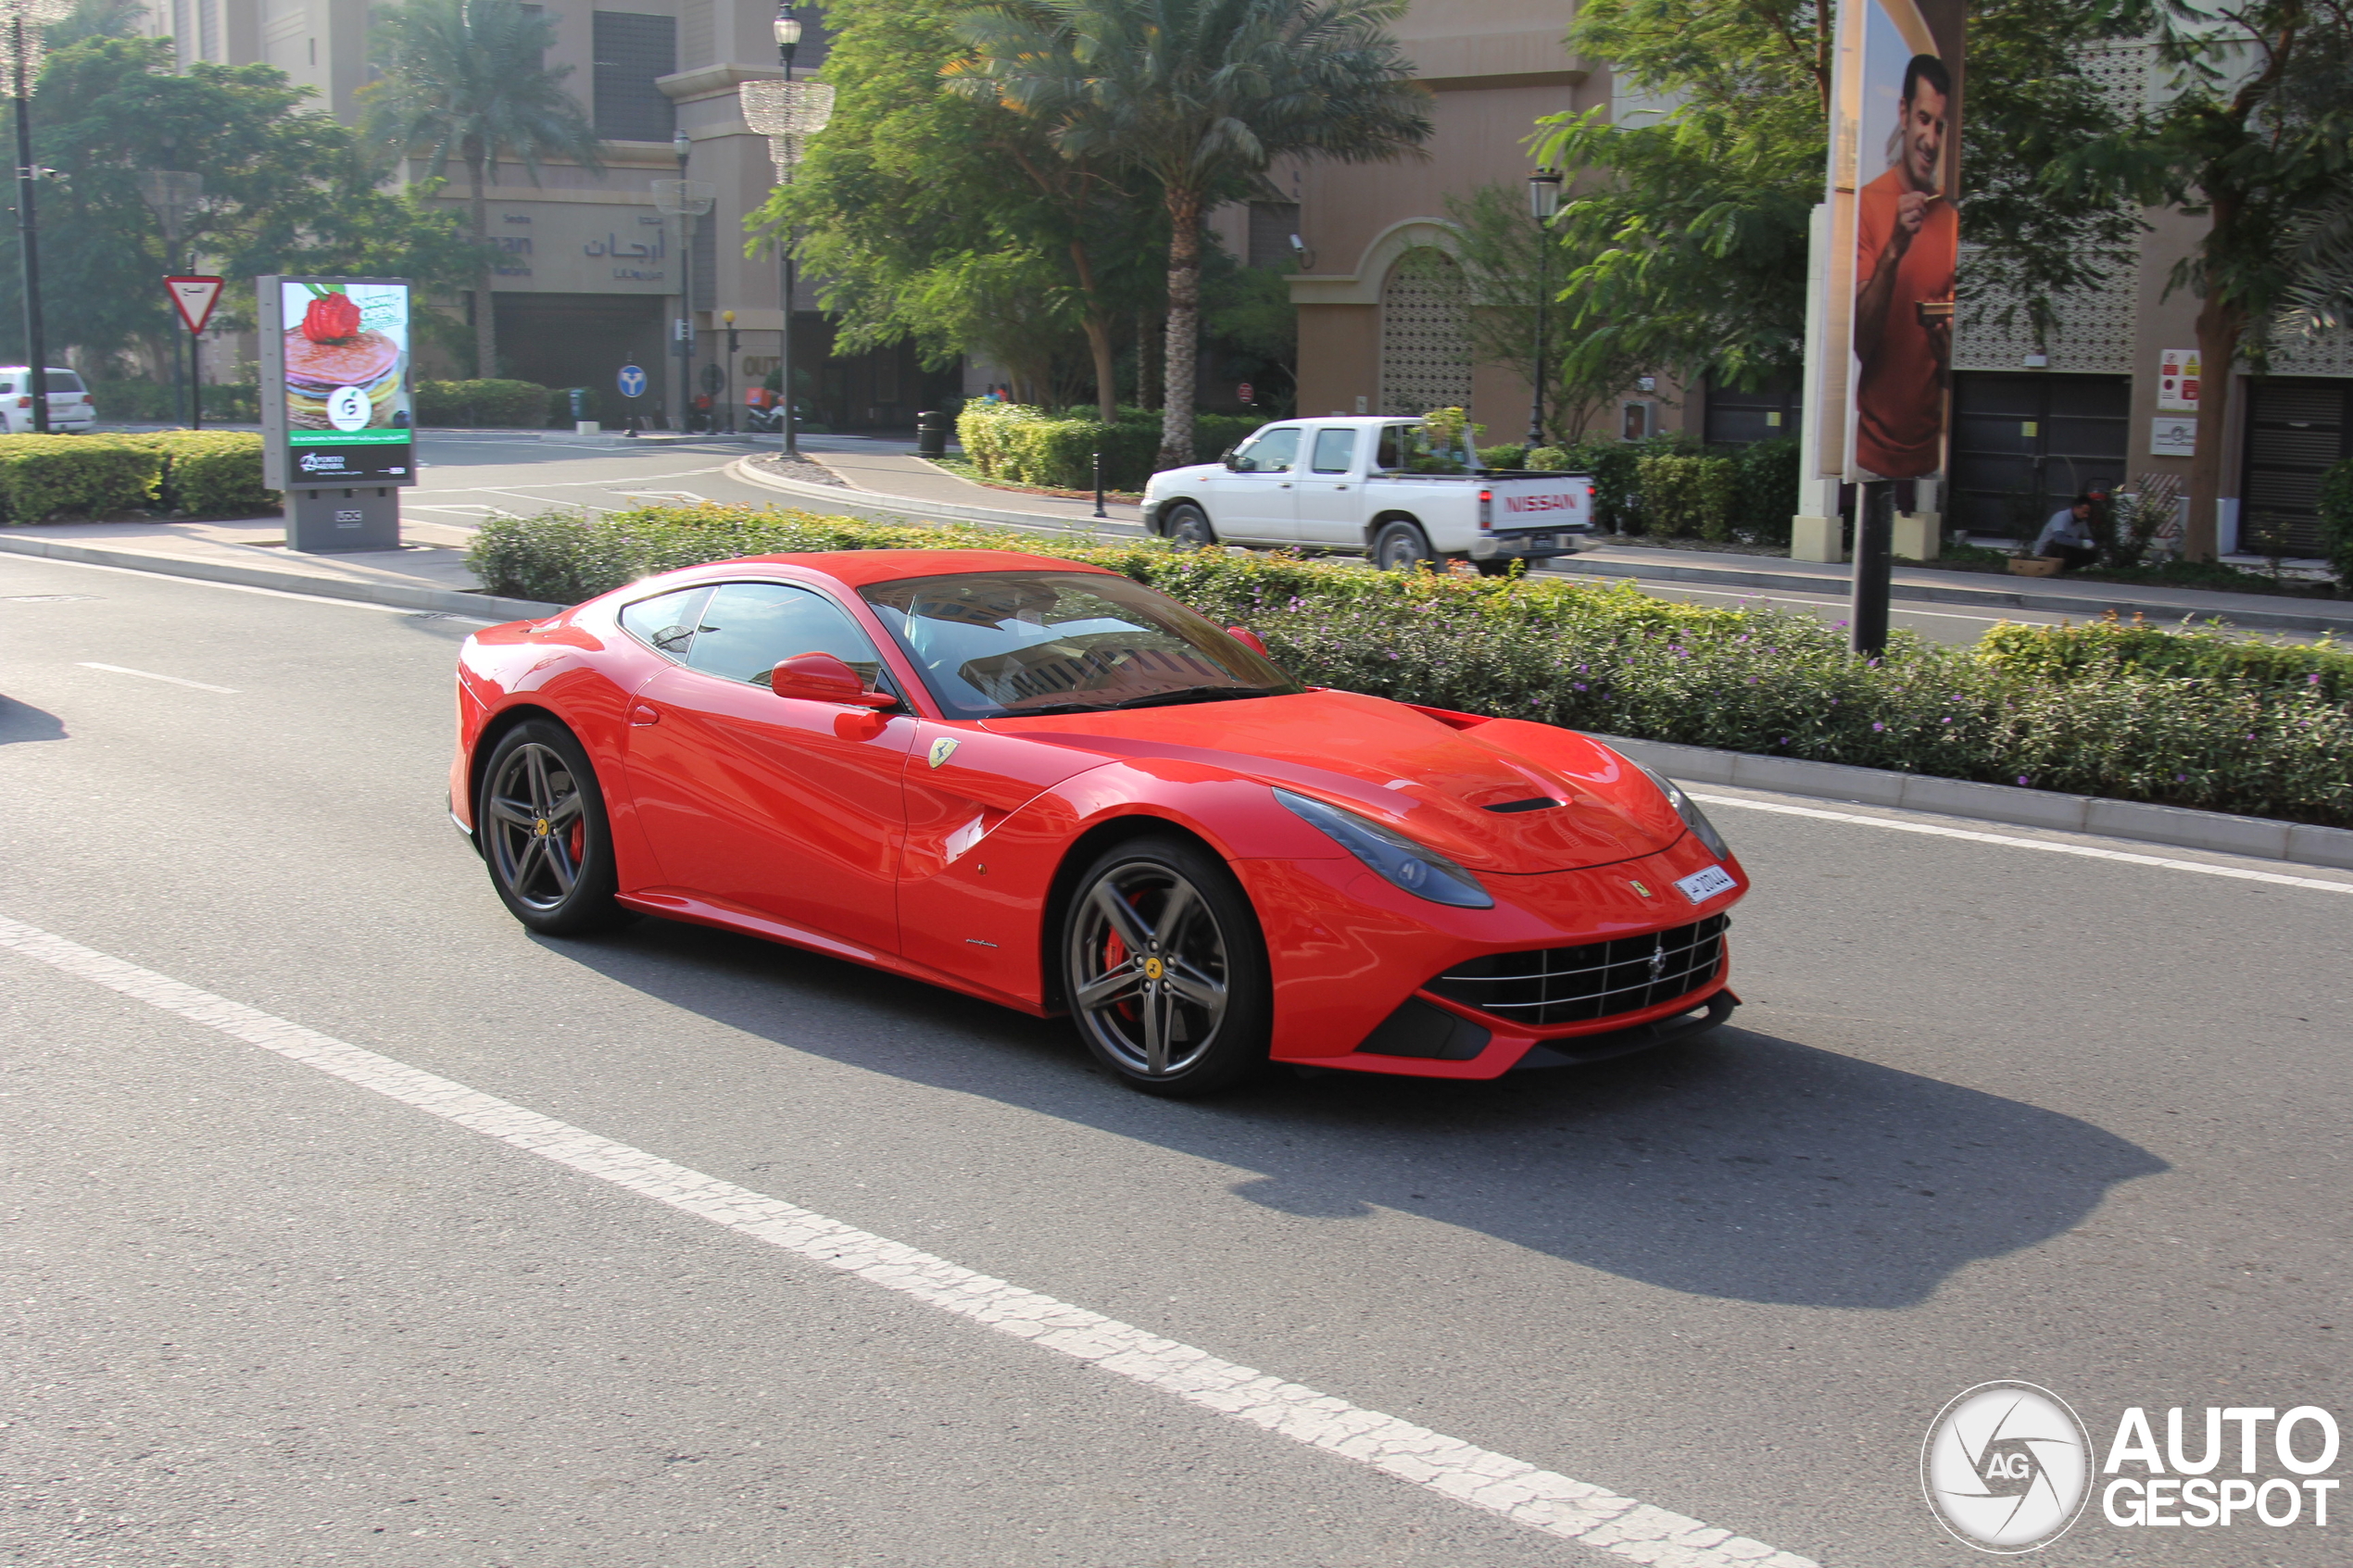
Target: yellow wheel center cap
<point>542,829</point>
<point>1154,969</point>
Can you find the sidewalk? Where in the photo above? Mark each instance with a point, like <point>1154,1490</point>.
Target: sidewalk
<point>427,574</point>
<point>894,484</point>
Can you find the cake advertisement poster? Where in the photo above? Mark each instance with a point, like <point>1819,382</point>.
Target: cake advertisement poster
<point>344,360</point>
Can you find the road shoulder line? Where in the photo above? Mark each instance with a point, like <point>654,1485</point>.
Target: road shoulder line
<point>1494,1482</point>
<point>401,596</point>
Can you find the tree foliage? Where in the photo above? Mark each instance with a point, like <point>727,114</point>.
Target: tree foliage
<point>285,190</point>
<point>2255,135</point>
<point>1686,247</point>
<point>1199,97</point>
<point>467,78</point>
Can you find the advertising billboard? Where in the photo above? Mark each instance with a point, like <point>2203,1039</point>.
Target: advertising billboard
<point>335,381</point>
<point>1896,238</point>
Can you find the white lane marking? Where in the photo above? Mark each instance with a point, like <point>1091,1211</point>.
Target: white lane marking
<point>1541,1499</point>
<point>2087,851</point>
<point>151,675</point>
<point>231,587</point>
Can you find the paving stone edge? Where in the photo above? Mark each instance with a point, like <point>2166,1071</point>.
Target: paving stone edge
<point>2217,831</point>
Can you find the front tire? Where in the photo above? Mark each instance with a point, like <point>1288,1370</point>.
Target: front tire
<point>1165,971</point>
<point>1188,525</point>
<point>542,827</point>
<point>1401,546</point>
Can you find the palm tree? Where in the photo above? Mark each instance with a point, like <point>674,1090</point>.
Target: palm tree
<point>1200,96</point>
<point>464,78</point>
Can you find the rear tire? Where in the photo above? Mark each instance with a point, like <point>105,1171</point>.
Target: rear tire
<point>1165,970</point>
<point>540,823</point>
<point>1188,525</point>
<point>1401,546</point>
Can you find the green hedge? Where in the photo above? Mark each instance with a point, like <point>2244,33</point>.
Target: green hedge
<point>52,476</point>
<point>2093,710</point>
<point>211,472</point>
<point>2336,523</point>
<point>141,401</point>
<point>1685,495</point>
<point>1025,446</point>
<point>506,404</point>
<point>201,473</point>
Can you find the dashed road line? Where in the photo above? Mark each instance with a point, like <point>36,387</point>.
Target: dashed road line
<point>151,675</point>
<point>2089,851</point>
<point>1494,1482</point>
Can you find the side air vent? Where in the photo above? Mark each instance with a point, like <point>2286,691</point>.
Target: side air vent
<point>1540,803</point>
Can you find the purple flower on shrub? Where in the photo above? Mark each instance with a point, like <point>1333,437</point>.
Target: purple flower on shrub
<point>2021,778</point>
<point>1877,726</point>
<point>1947,720</point>
<point>2313,679</point>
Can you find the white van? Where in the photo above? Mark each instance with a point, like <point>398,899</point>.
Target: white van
<point>70,412</point>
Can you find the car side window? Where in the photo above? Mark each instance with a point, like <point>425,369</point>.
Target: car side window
<point>748,628</point>
<point>1335,451</point>
<point>665,623</point>
<point>1271,451</point>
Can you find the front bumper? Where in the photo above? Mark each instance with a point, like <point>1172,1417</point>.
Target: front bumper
<point>1152,515</point>
<point>1356,963</point>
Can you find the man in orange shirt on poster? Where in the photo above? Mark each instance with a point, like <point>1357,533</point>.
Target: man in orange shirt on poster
<point>1908,242</point>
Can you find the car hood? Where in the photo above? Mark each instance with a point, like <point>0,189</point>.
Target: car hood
<point>1166,478</point>
<point>1431,780</point>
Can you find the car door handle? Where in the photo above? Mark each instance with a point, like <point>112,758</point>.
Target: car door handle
<point>642,715</point>
<point>1285,484</point>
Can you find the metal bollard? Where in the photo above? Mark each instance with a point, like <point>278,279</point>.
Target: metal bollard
<point>1098,485</point>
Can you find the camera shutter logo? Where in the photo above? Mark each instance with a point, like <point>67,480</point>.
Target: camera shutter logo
<point>2006,1467</point>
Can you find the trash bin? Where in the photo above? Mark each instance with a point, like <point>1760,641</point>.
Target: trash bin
<point>931,435</point>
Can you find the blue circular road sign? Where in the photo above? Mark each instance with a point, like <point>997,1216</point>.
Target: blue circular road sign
<point>632,380</point>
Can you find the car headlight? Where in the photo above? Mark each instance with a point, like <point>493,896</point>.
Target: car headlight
<point>1687,808</point>
<point>1423,873</point>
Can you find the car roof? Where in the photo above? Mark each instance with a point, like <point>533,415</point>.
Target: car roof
<point>859,569</point>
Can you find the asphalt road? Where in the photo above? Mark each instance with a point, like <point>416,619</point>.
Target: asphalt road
<point>466,477</point>
<point>1990,1112</point>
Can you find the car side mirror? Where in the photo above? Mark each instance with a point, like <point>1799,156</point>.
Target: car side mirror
<point>819,677</point>
<point>1248,639</point>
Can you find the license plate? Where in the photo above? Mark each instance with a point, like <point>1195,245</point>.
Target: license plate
<point>1522,544</point>
<point>1700,886</point>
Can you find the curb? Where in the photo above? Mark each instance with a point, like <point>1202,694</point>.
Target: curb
<point>1791,583</point>
<point>2218,831</point>
<point>871,505</point>
<point>452,601</point>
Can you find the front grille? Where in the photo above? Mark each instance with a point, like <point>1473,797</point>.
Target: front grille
<point>1599,979</point>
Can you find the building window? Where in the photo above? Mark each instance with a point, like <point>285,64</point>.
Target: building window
<point>1271,226</point>
<point>1424,334</point>
<point>631,52</point>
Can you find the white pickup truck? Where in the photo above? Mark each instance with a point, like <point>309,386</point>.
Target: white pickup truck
<point>1373,485</point>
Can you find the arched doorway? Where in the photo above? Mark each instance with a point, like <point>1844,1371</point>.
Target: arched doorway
<point>1424,334</point>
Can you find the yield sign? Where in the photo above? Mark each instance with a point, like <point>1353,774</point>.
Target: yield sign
<point>194,297</point>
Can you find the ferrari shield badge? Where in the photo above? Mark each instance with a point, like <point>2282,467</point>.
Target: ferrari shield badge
<point>942,749</point>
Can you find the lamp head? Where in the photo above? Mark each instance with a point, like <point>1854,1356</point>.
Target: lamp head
<point>1543,194</point>
<point>684,146</point>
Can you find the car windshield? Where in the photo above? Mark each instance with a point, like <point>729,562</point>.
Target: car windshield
<point>992,643</point>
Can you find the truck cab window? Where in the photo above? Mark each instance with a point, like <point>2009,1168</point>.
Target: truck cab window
<point>1335,451</point>
<point>1270,451</point>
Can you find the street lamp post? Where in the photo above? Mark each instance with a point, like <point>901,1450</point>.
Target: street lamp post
<point>788,113</point>
<point>727,378</point>
<point>20,25</point>
<point>1544,200</point>
<point>172,195</point>
<point>686,200</point>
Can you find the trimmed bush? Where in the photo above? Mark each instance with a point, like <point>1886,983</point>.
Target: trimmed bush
<point>1685,495</point>
<point>1025,446</point>
<point>2336,523</point>
<point>1766,491</point>
<point>210,472</point>
<point>489,403</point>
<point>1505,457</point>
<point>44,477</point>
<point>2114,711</point>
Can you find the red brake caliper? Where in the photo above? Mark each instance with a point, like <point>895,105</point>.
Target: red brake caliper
<point>1115,954</point>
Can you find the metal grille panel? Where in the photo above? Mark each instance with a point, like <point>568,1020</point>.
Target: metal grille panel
<point>1599,979</point>
<point>1424,334</point>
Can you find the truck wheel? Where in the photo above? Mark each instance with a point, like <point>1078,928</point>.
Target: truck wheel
<point>1401,546</point>
<point>1188,525</point>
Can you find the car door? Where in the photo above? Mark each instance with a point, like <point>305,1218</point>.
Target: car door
<point>784,807</point>
<point>1330,504</point>
<point>1254,502</point>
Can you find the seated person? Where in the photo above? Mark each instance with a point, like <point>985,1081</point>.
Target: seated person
<point>2067,538</point>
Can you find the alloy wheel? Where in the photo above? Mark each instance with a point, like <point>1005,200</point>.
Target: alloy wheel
<point>1148,969</point>
<point>538,826</point>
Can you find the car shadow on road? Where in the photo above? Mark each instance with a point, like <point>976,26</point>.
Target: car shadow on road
<point>21,722</point>
<point>1742,1165</point>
